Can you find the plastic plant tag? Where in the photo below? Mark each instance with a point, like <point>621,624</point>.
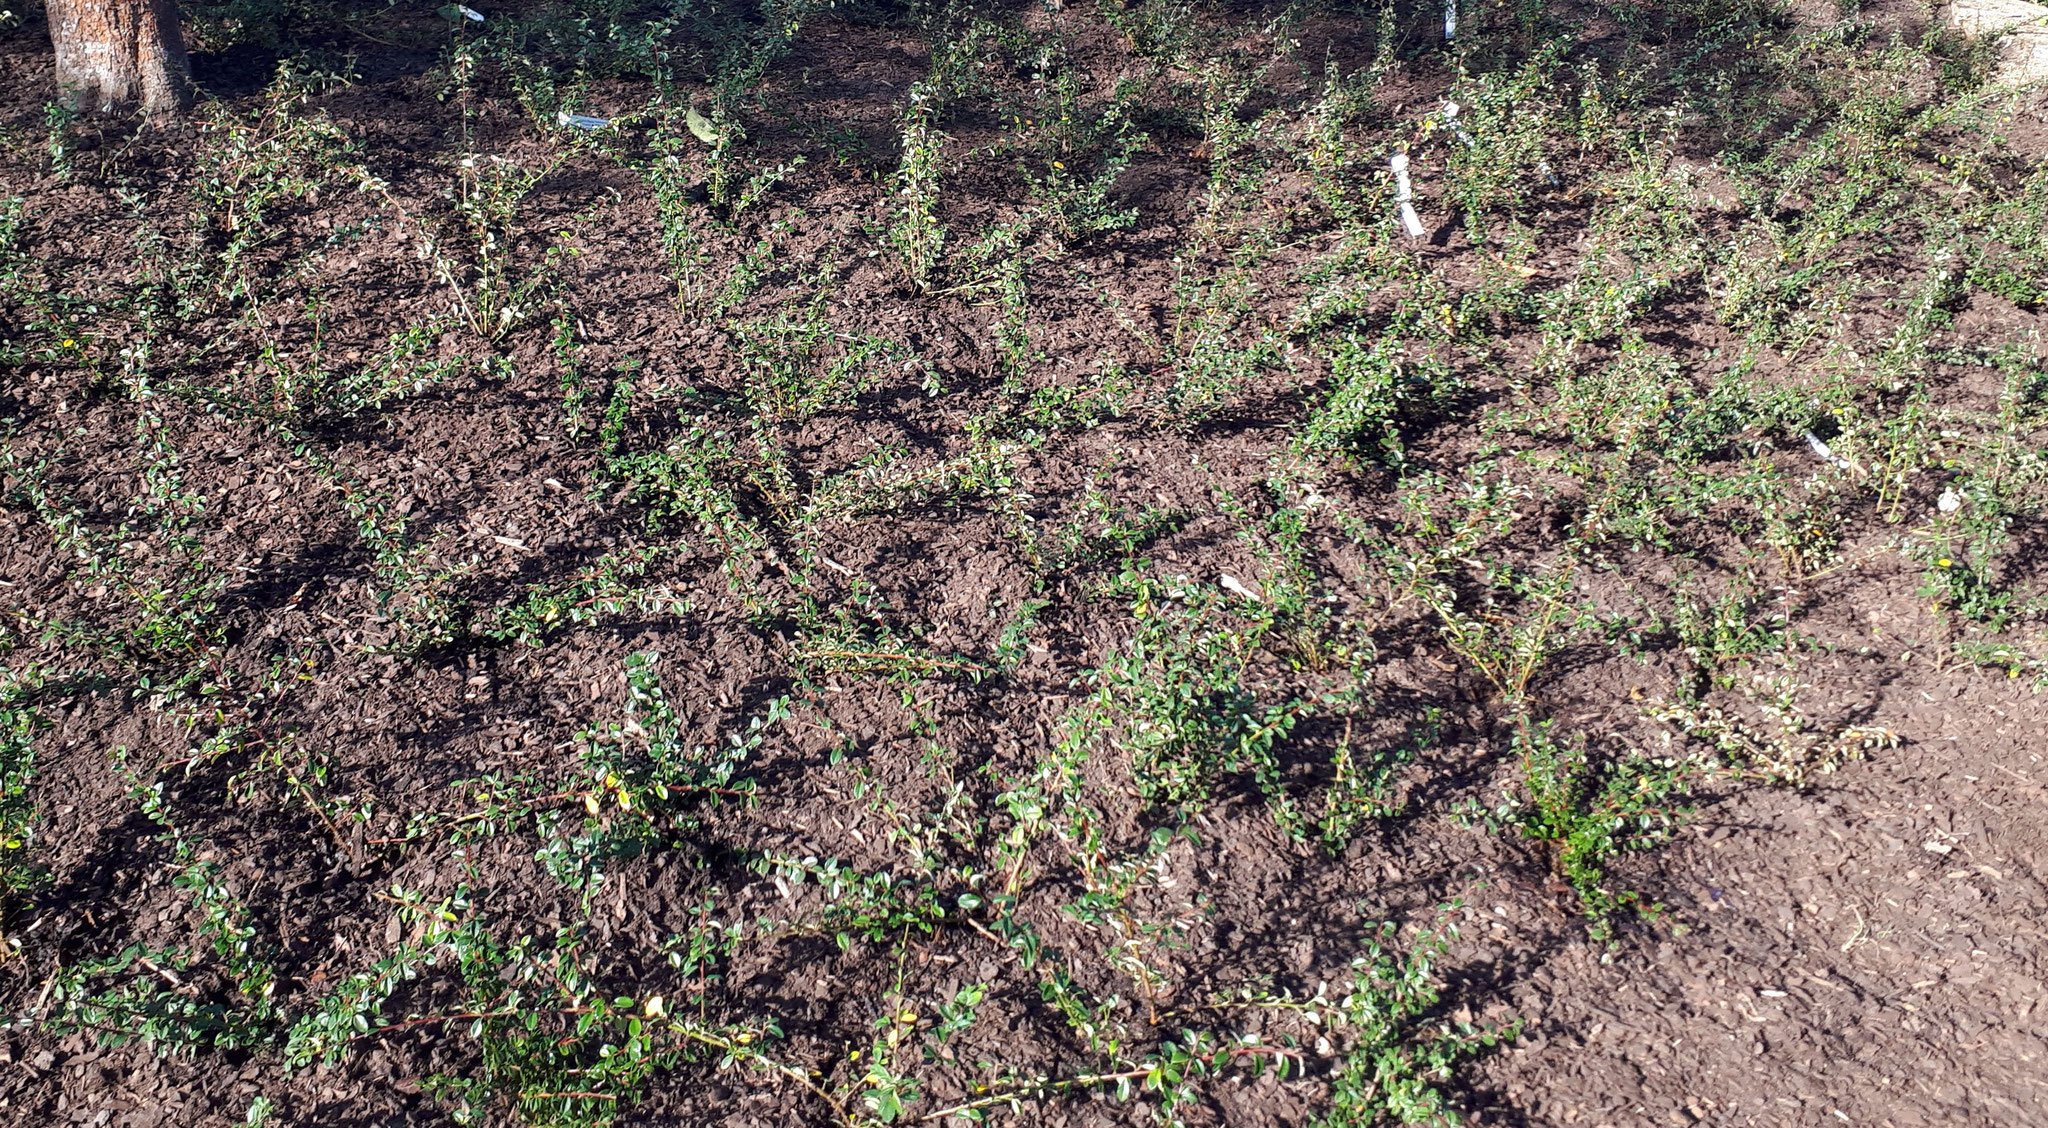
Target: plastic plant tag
<point>1411,222</point>
<point>1826,454</point>
<point>580,121</point>
<point>1456,127</point>
<point>1404,194</point>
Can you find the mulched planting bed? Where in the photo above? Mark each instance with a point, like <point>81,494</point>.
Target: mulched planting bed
<point>955,564</point>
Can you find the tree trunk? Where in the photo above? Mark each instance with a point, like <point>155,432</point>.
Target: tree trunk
<point>117,54</point>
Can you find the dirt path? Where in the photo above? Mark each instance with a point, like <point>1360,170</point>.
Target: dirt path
<point>1869,953</point>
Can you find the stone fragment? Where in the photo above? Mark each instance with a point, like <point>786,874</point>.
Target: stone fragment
<point>2023,55</point>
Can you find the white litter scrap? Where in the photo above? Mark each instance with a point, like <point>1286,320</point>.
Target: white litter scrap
<point>1450,19</point>
<point>1949,501</point>
<point>700,126</point>
<point>585,122</point>
<point>1826,454</point>
<point>460,12</point>
<point>1404,195</point>
<point>1236,586</point>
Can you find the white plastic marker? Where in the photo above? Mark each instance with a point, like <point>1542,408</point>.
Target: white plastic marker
<point>580,121</point>
<point>1450,19</point>
<point>1451,121</point>
<point>1823,452</point>
<point>1404,194</point>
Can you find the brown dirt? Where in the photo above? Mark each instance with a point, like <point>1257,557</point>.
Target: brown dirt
<point>1866,952</point>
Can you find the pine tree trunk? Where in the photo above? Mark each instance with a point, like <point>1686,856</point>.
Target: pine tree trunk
<point>114,55</point>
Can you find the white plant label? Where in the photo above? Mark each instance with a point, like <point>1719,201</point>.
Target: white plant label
<point>1456,127</point>
<point>1404,195</point>
<point>1825,453</point>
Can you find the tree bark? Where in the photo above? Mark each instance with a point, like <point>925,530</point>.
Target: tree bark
<point>113,55</point>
